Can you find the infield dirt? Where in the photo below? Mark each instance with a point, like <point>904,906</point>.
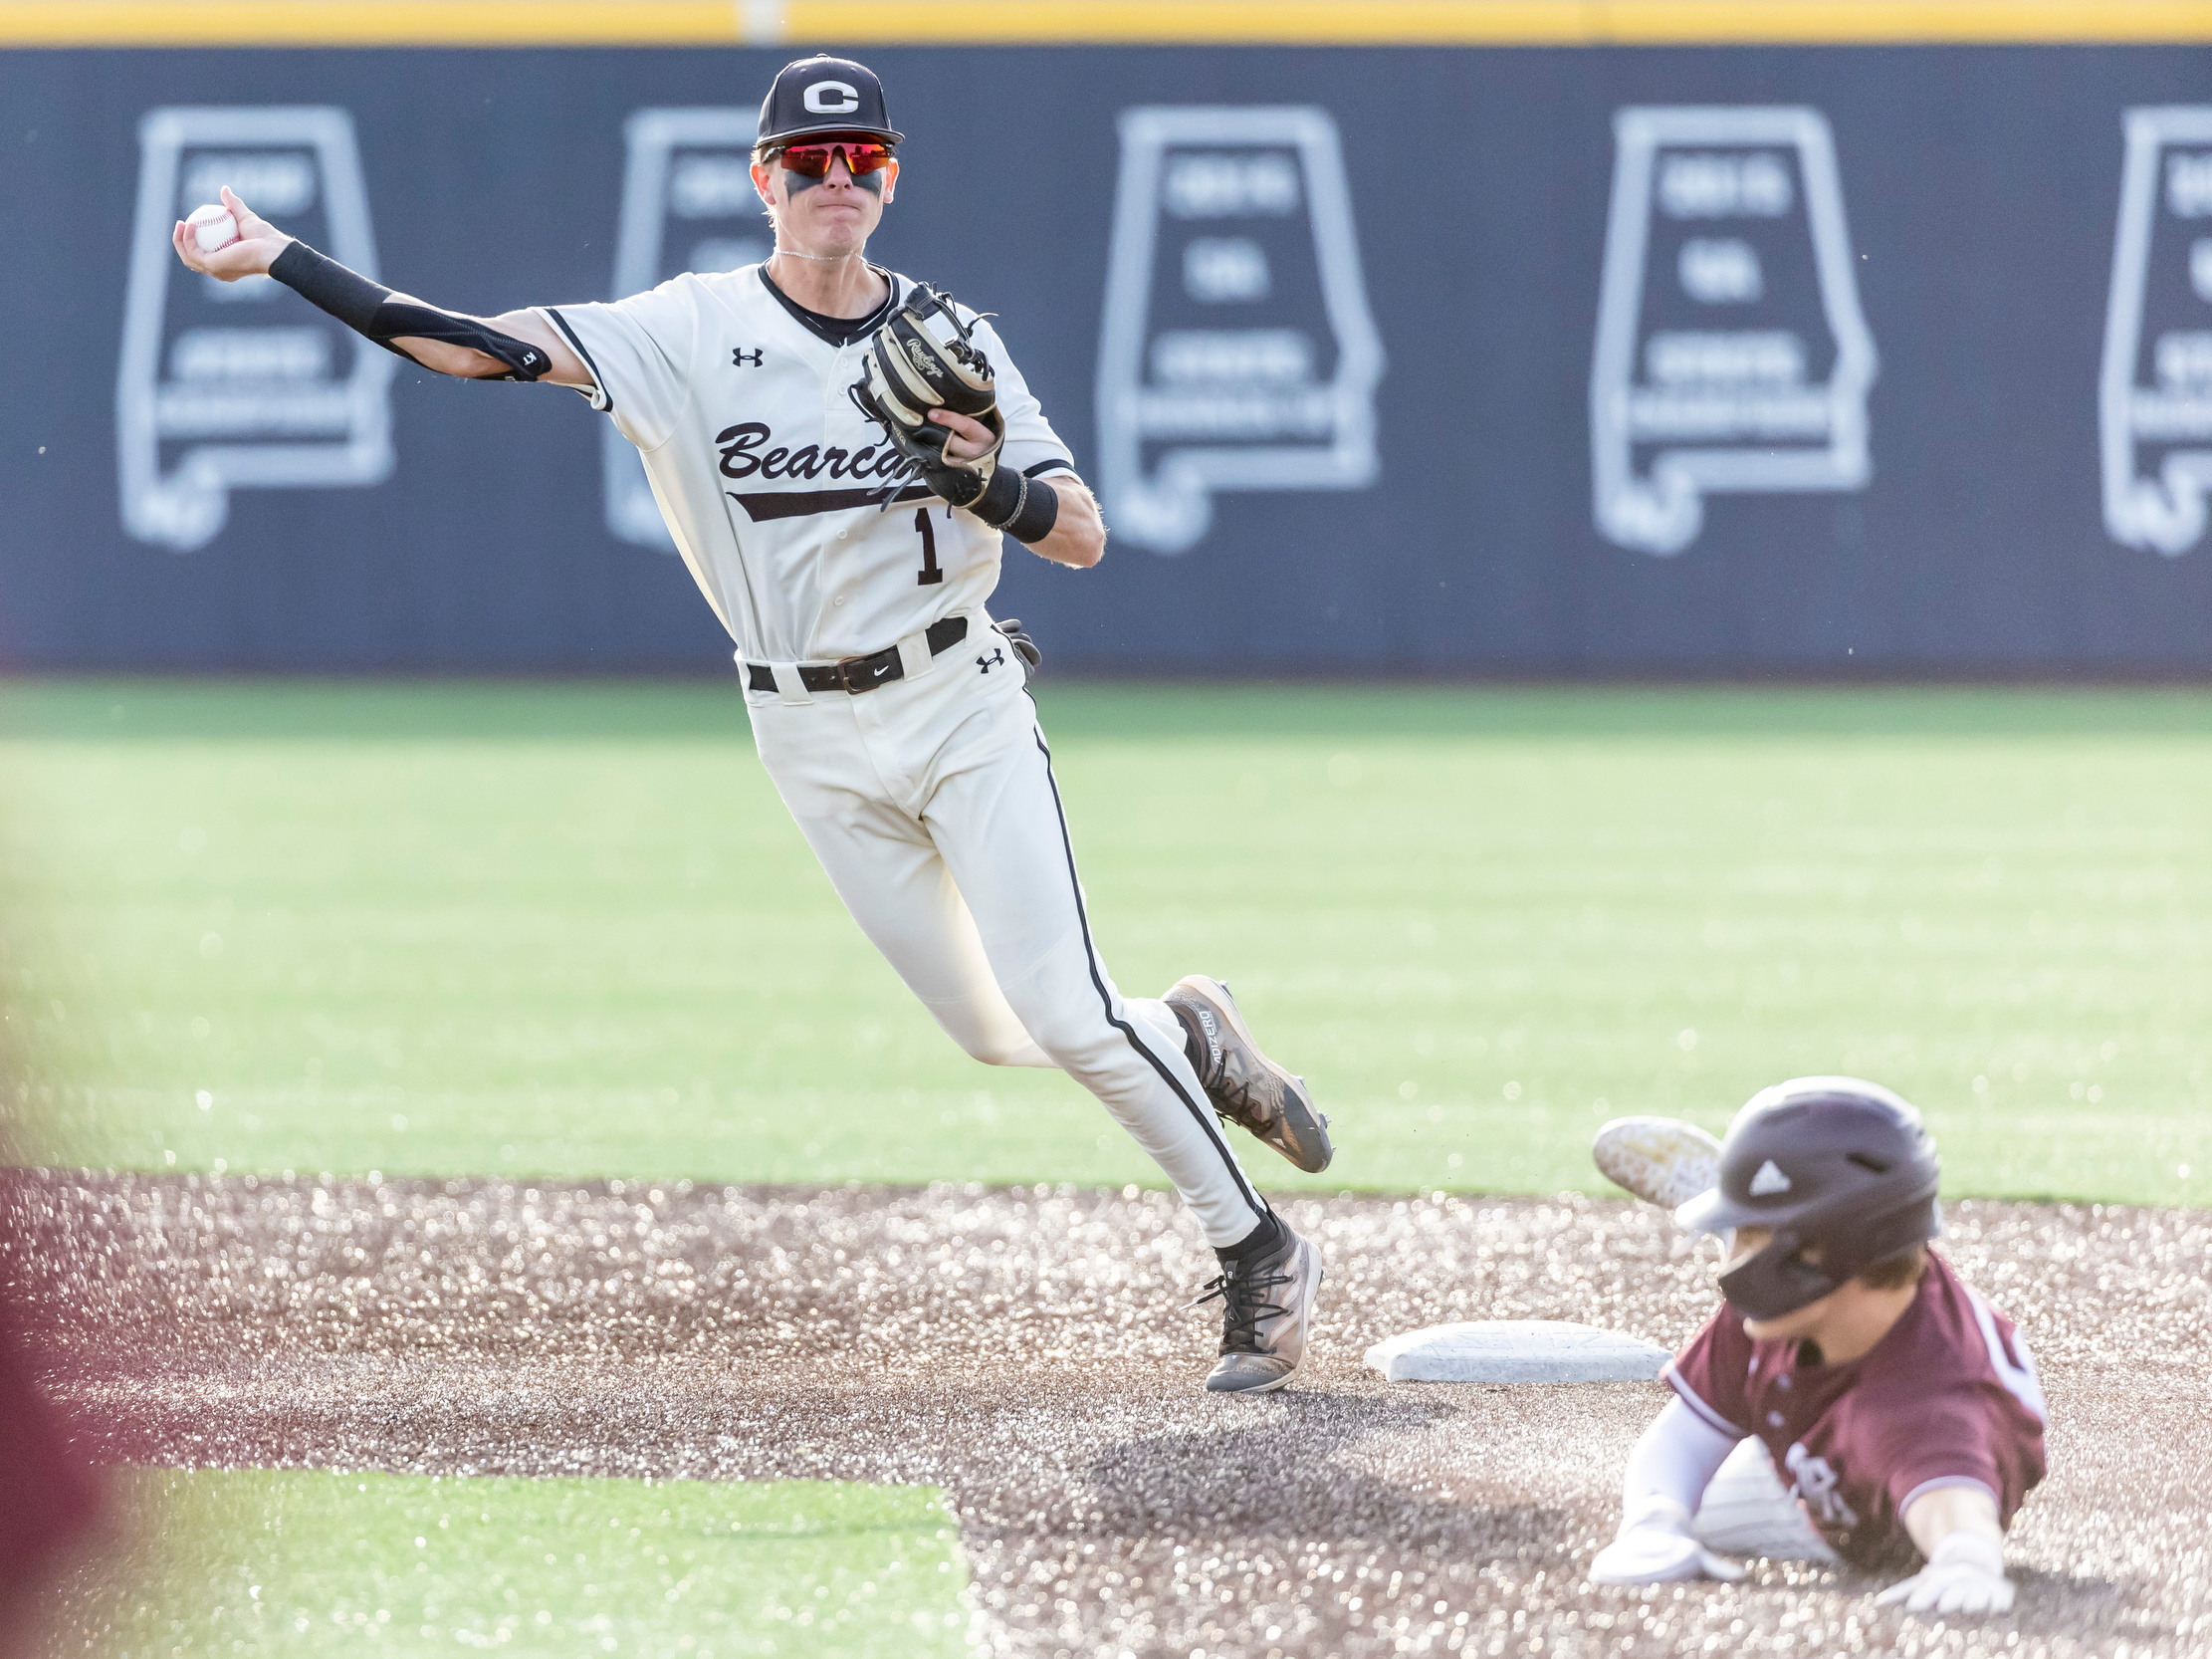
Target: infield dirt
<point>1023,1349</point>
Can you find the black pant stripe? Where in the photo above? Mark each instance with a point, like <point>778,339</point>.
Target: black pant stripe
<point>1202,1114</point>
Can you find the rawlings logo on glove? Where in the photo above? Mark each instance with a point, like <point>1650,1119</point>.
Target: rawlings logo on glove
<point>924,358</point>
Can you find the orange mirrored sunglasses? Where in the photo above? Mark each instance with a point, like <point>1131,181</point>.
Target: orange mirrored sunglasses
<point>862,155</point>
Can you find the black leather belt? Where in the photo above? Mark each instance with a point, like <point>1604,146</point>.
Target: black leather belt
<point>860,674</point>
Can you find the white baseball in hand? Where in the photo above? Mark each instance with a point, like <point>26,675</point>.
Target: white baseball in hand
<point>213,228</point>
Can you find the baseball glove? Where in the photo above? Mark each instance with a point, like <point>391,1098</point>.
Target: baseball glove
<point>924,358</point>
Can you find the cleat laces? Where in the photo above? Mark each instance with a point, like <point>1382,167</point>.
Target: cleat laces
<point>1254,1102</point>
<point>1249,1106</point>
<point>1242,1291</point>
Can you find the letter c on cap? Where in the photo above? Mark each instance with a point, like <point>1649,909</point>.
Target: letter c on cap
<point>820,99</point>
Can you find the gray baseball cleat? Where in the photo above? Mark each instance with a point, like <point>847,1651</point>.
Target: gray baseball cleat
<point>1244,1084</point>
<point>1267,1306</point>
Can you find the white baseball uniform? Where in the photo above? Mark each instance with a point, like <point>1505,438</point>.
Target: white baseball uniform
<point>929,800</point>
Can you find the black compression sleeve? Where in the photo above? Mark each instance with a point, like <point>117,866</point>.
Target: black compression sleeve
<point>375,311</point>
<point>1024,508</point>
<point>321,281</point>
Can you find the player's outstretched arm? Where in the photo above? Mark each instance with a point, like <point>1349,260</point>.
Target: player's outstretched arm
<point>1958,1530</point>
<point>514,345</point>
<point>1672,1463</point>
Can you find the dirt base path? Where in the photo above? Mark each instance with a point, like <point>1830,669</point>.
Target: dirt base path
<point>1023,1349</point>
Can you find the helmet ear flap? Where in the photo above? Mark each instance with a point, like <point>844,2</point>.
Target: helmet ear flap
<point>1776,1280</point>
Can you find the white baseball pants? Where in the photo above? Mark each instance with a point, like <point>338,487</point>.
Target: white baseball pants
<point>932,804</point>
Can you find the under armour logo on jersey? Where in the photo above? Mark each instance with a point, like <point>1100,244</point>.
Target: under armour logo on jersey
<point>737,358</point>
<point>1770,1179</point>
<point>996,660</point>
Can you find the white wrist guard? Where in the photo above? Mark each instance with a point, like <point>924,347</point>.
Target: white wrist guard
<point>1655,1547</point>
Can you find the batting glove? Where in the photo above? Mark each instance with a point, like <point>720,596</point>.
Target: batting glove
<point>1656,1546</point>
<point>1966,1575</point>
<point>1019,637</point>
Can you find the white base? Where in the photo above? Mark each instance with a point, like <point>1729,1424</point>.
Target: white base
<point>1516,1350</point>
<point>1747,1513</point>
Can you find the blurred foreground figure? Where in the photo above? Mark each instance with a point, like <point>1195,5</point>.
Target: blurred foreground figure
<point>1899,1410</point>
<point>48,1496</point>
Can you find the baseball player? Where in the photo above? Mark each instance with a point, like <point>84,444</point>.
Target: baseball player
<point>1901,1410</point>
<point>838,451</point>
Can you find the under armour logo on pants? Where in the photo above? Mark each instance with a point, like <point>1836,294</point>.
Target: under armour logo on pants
<point>995,660</point>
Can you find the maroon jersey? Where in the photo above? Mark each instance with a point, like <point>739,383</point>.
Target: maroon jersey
<point>1947,1398</point>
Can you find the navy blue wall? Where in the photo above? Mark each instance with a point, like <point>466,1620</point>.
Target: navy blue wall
<point>1982,189</point>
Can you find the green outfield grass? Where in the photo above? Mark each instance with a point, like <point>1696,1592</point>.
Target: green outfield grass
<point>283,1561</point>
<point>566,929</point>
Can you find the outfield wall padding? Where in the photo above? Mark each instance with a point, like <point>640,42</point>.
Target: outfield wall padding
<point>1455,361</point>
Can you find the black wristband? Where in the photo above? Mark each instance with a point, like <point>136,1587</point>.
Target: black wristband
<point>1000,498</point>
<point>1037,514</point>
<point>1023,506</point>
<point>321,281</point>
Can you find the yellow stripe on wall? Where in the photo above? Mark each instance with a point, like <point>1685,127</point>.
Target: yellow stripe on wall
<point>1501,22</point>
<point>116,23</point>
<point>367,23</point>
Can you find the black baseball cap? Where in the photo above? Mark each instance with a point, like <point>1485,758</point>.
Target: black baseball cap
<point>824,95</point>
